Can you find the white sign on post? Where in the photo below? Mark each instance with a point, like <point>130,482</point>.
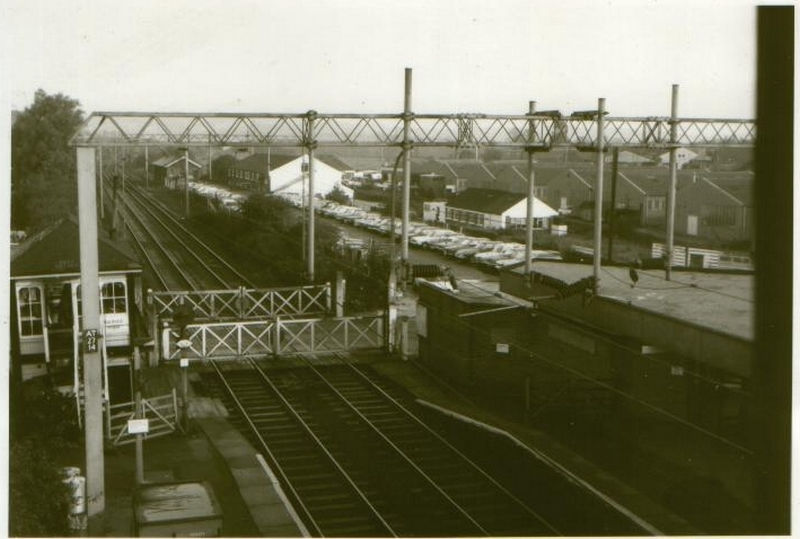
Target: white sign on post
<point>502,348</point>
<point>184,362</point>
<point>138,426</point>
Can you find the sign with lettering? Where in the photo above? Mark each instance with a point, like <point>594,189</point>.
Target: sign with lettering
<point>502,348</point>
<point>138,426</point>
<point>90,341</point>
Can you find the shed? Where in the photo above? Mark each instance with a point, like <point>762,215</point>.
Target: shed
<point>494,209</point>
<point>170,170</point>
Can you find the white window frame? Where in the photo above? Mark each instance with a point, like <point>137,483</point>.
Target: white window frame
<point>30,319</point>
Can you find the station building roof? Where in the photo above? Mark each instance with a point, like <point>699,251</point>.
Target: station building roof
<point>56,251</point>
<point>718,301</point>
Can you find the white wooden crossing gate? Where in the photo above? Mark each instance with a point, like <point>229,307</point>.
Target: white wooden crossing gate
<point>244,303</point>
<point>161,412</point>
<point>258,338</point>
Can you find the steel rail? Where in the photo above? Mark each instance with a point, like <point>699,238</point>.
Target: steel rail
<point>321,445</point>
<point>184,275</point>
<point>146,256</point>
<point>138,240</point>
<point>182,241</point>
<point>480,470</point>
<point>266,448</point>
<point>190,279</point>
<point>194,237</point>
<point>399,451</point>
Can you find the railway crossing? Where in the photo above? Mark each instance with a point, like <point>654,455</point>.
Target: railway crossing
<point>532,132</point>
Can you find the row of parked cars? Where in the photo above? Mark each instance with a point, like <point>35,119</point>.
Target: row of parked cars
<point>490,254</point>
<point>228,200</point>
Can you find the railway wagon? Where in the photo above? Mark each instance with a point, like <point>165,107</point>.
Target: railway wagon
<point>46,309</point>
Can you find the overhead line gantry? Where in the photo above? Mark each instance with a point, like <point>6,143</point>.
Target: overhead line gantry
<point>533,132</point>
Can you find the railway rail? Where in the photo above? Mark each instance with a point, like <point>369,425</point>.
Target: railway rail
<point>383,467</point>
<point>177,256</point>
<point>354,455</point>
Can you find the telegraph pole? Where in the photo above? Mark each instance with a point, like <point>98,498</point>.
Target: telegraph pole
<point>210,177</point>
<point>90,348</point>
<point>598,194</point>
<point>124,158</point>
<point>186,181</point>
<point>406,166</point>
<point>146,168</point>
<point>612,213</point>
<point>531,194</point>
<point>673,180</point>
<point>311,143</point>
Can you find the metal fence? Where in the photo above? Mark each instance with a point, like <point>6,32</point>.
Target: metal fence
<point>257,338</point>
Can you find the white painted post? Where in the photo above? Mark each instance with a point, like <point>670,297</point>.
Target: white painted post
<point>340,290</point>
<point>92,361</point>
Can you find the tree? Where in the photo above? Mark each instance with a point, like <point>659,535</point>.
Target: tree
<point>43,171</point>
<point>338,195</point>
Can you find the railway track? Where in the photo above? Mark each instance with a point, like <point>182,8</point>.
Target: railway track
<point>339,439</point>
<point>177,257</point>
<point>354,455</point>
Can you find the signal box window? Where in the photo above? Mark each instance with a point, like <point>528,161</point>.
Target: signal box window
<point>30,311</point>
<point>113,298</point>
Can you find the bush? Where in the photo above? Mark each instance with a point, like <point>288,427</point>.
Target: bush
<point>38,500</point>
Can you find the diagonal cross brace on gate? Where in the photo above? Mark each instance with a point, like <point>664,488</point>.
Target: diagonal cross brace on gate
<point>259,338</point>
<point>246,303</point>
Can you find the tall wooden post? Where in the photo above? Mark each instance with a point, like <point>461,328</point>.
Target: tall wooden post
<point>612,213</point>
<point>310,237</point>
<point>673,180</point>
<point>186,182</point>
<point>137,385</point>
<point>406,166</point>
<point>146,167</point>
<point>90,347</point>
<point>598,194</point>
<point>531,194</point>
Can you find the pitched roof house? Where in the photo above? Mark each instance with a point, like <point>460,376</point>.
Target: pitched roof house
<point>492,209</point>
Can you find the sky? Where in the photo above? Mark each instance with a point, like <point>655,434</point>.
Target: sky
<point>341,56</point>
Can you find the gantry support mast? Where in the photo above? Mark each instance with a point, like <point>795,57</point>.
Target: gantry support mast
<point>311,130</point>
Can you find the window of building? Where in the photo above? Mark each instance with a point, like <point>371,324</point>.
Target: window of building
<point>114,300</point>
<point>29,304</point>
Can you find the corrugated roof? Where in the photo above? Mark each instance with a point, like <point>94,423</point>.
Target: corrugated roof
<point>57,252</point>
<point>485,200</point>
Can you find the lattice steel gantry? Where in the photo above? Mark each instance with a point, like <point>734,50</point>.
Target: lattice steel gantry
<point>530,132</point>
